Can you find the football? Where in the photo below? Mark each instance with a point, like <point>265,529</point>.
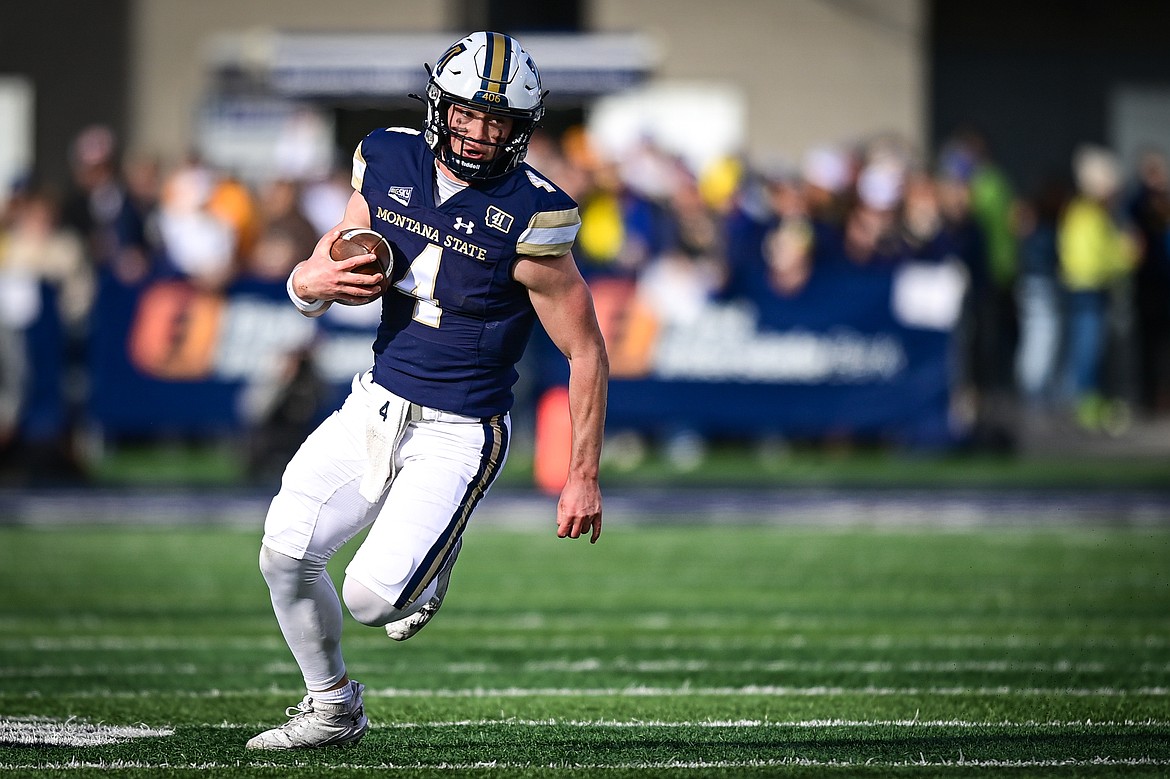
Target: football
<point>361,240</point>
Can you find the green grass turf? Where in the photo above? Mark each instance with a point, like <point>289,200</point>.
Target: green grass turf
<point>662,651</point>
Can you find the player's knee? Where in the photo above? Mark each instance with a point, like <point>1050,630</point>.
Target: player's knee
<point>284,573</point>
<point>367,607</point>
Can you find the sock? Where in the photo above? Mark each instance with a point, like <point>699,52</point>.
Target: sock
<point>340,696</point>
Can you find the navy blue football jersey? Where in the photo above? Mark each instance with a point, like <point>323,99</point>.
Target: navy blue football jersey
<point>454,322</point>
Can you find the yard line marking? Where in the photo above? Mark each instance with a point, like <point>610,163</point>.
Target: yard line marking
<point>762,690</point>
<point>636,765</point>
<point>35,731</point>
<point>594,665</point>
<point>636,691</point>
<point>778,724</point>
<point>769,724</point>
<point>78,670</point>
<point>786,640</point>
<point>112,643</point>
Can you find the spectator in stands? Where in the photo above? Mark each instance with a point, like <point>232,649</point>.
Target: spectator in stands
<point>622,226</point>
<point>322,199</point>
<point>13,372</point>
<point>749,218</point>
<point>695,228</point>
<point>1095,253</point>
<point>92,207</point>
<point>923,230</point>
<point>138,241</point>
<point>13,355</point>
<point>788,253</point>
<point>198,244</point>
<point>46,290</point>
<point>231,202</point>
<point>992,204</point>
<point>1041,314</point>
<point>770,235</point>
<point>39,248</point>
<point>870,234</point>
<point>283,222</point>
<point>678,282</point>
<point>983,402</point>
<point>281,400</point>
<point>550,157</point>
<point>827,176</point>
<point>1149,210</point>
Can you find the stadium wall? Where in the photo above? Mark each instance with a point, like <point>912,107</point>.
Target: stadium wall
<point>170,43</point>
<point>810,72</point>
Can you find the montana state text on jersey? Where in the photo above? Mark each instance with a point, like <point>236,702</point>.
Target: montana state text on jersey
<point>452,293</point>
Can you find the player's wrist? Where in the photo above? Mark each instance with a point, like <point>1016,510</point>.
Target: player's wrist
<point>306,305</point>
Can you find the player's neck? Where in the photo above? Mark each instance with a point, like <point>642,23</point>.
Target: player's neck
<point>447,184</point>
<point>447,172</point>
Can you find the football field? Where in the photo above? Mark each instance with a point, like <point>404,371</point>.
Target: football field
<point>671,648</point>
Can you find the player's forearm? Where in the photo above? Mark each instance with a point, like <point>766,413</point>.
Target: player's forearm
<point>588,391</point>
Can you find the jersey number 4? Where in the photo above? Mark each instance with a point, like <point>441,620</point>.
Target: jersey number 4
<point>419,283</point>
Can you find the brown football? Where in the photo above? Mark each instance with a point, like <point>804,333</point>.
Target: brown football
<point>361,240</point>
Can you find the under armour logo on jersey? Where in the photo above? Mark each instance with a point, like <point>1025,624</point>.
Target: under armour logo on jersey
<point>401,194</point>
<point>466,227</point>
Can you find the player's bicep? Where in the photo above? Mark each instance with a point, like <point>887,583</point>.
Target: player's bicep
<point>357,212</point>
<point>561,299</point>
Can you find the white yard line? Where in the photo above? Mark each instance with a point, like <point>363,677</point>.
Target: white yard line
<point>71,732</point>
<point>596,665</point>
<point>635,765</point>
<point>643,640</point>
<point>638,691</point>
<point>1078,725</point>
<point>35,731</point>
<point>915,724</point>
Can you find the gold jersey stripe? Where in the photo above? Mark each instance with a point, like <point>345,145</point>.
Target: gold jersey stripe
<point>553,219</point>
<point>543,249</point>
<point>549,233</point>
<point>359,169</point>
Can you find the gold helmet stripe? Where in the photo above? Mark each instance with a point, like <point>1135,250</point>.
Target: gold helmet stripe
<point>496,67</point>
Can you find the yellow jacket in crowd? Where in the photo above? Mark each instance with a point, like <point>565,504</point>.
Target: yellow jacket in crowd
<point>1094,250</point>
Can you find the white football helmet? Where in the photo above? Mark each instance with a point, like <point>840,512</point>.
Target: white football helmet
<point>490,72</point>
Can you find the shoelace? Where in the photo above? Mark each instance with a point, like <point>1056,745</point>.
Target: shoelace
<point>304,707</point>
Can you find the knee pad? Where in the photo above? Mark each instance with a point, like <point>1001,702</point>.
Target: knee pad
<point>287,574</point>
<point>367,607</point>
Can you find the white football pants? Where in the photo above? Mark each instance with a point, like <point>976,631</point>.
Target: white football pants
<point>438,465</point>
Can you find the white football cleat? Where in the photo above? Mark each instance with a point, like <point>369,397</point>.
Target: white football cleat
<point>315,724</point>
<point>402,629</point>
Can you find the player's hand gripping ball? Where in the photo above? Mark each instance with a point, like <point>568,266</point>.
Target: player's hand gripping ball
<point>361,240</point>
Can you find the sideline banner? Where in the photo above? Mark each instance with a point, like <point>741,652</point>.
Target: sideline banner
<point>169,358</point>
<point>859,352</point>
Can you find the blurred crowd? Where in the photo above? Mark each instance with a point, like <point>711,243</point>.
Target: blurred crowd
<point>1066,315</point>
<point>1067,311</point>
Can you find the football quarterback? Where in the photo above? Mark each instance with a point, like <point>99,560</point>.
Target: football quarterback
<point>482,251</point>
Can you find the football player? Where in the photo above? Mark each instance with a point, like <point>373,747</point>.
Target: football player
<point>481,246</point>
